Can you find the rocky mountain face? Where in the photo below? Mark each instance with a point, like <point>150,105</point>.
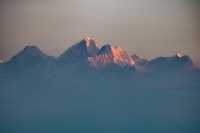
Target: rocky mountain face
<point>80,51</point>
<point>88,51</point>
<point>109,55</point>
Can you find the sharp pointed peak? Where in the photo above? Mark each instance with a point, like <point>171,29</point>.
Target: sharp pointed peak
<point>111,55</point>
<point>89,42</point>
<point>179,55</point>
<point>107,45</point>
<point>107,48</point>
<point>87,39</point>
<point>85,48</point>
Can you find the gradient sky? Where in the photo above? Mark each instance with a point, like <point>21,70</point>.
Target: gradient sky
<point>148,28</point>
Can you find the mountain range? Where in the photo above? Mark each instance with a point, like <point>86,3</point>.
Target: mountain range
<point>88,52</point>
<point>87,58</point>
<point>98,89</point>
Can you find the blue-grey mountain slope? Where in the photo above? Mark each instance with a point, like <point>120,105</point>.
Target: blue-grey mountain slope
<point>89,89</point>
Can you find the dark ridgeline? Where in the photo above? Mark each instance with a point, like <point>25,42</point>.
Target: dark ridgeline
<point>92,89</point>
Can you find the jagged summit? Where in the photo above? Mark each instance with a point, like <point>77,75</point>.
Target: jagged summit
<point>88,52</point>
<point>179,55</point>
<point>106,49</point>
<point>82,50</point>
<point>91,45</point>
<point>109,55</point>
<point>89,41</point>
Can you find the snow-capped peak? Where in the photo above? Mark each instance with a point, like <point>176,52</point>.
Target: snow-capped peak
<point>91,45</point>
<point>89,41</point>
<point>179,55</point>
<point>87,47</point>
<point>111,55</point>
